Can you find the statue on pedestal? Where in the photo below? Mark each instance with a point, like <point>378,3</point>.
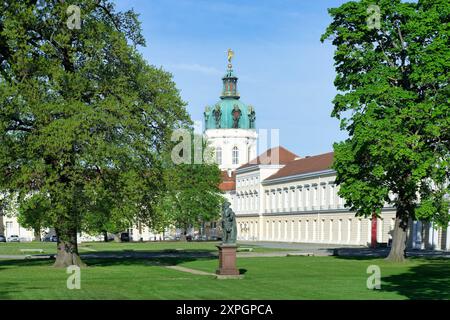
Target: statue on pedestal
<point>227,250</point>
<point>229,228</point>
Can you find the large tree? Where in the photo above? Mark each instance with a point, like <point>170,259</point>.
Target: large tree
<point>193,195</point>
<point>82,116</point>
<point>392,61</point>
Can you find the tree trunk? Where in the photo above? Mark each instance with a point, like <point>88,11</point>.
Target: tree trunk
<point>37,234</point>
<point>2,226</point>
<point>183,236</point>
<point>105,236</point>
<point>116,237</point>
<point>398,247</point>
<point>67,249</point>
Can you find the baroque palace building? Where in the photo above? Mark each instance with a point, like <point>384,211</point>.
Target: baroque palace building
<point>296,200</point>
<point>280,196</point>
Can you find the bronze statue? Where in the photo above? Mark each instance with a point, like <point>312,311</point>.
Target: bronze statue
<point>206,115</point>
<point>236,116</point>
<point>217,114</point>
<point>251,117</point>
<point>229,228</point>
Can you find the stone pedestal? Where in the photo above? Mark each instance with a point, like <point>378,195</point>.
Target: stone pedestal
<point>227,262</point>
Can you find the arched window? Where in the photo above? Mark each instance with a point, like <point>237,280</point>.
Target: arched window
<point>235,155</point>
<point>219,155</point>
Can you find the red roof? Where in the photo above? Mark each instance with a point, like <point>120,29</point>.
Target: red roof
<point>228,183</point>
<point>270,157</point>
<point>305,165</point>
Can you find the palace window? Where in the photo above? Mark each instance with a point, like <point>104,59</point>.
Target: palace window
<point>219,155</point>
<point>286,198</point>
<point>315,191</point>
<point>331,194</point>
<point>307,195</point>
<point>322,197</point>
<point>235,155</point>
<point>299,197</point>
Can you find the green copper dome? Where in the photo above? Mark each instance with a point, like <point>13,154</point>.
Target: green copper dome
<point>229,112</point>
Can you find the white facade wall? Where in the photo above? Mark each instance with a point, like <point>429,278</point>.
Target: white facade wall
<point>243,139</point>
<point>12,227</point>
<point>307,208</point>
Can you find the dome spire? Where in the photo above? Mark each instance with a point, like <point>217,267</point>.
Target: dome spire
<point>229,80</point>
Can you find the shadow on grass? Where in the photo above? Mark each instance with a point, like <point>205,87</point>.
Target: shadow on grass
<point>357,252</point>
<point>150,253</point>
<point>428,279</point>
<point>105,262</point>
<point>7,290</point>
<point>161,262</point>
<point>242,271</point>
<point>4,264</point>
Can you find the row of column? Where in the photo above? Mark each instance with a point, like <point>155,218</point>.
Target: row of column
<point>342,231</point>
<point>305,197</point>
<point>336,230</point>
<point>247,202</point>
<point>425,235</point>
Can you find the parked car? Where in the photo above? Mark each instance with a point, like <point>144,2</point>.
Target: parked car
<point>2,238</point>
<point>50,238</point>
<point>13,238</point>
<point>125,237</point>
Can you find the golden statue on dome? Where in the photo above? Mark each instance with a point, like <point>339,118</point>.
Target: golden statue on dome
<point>230,55</point>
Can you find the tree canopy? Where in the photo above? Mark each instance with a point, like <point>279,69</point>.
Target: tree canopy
<point>392,62</point>
<point>83,117</point>
<point>193,195</point>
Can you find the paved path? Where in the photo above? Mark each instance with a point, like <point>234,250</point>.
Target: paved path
<point>289,249</point>
<point>320,249</point>
<point>193,271</point>
<point>383,252</point>
<point>156,255</point>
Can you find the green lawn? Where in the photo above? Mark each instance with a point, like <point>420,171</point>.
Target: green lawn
<point>265,278</point>
<point>13,248</point>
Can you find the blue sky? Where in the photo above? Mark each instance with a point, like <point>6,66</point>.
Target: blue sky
<point>284,70</point>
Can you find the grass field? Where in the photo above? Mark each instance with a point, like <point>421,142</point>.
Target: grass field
<point>265,278</point>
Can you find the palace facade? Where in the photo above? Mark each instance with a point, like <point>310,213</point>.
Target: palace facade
<point>281,196</point>
<point>296,200</point>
